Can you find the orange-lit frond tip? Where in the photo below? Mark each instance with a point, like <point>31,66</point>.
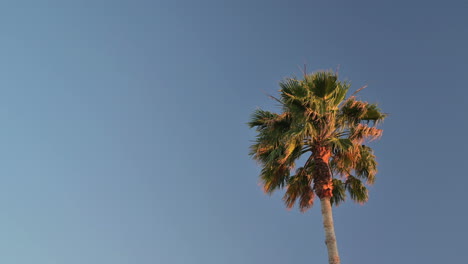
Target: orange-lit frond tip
<point>354,150</point>
<point>362,132</point>
<point>289,198</point>
<point>266,187</point>
<point>358,104</point>
<point>263,150</point>
<point>306,200</point>
<point>374,133</point>
<point>352,102</point>
<point>363,201</point>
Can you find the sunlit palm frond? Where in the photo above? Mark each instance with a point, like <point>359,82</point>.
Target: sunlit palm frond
<point>299,188</point>
<point>353,112</point>
<point>362,132</point>
<point>366,165</point>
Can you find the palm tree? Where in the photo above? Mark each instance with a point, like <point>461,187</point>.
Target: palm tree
<point>318,121</point>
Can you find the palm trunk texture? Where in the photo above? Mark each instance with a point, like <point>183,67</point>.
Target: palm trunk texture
<point>330,238</point>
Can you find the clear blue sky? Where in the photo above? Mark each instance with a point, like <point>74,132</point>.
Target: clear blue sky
<point>123,136</point>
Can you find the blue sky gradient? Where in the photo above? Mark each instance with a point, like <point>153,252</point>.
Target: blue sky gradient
<point>124,137</point>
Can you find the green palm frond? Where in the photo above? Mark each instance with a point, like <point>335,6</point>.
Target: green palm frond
<point>356,189</point>
<point>366,165</point>
<point>274,178</point>
<point>322,84</point>
<point>374,114</point>
<point>261,119</point>
<point>354,111</point>
<point>339,192</point>
<point>340,145</point>
<point>340,93</point>
<point>292,89</point>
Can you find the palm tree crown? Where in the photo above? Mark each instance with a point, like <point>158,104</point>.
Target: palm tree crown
<point>319,121</point>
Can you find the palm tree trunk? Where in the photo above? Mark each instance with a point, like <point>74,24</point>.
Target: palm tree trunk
<point>330,239</point>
